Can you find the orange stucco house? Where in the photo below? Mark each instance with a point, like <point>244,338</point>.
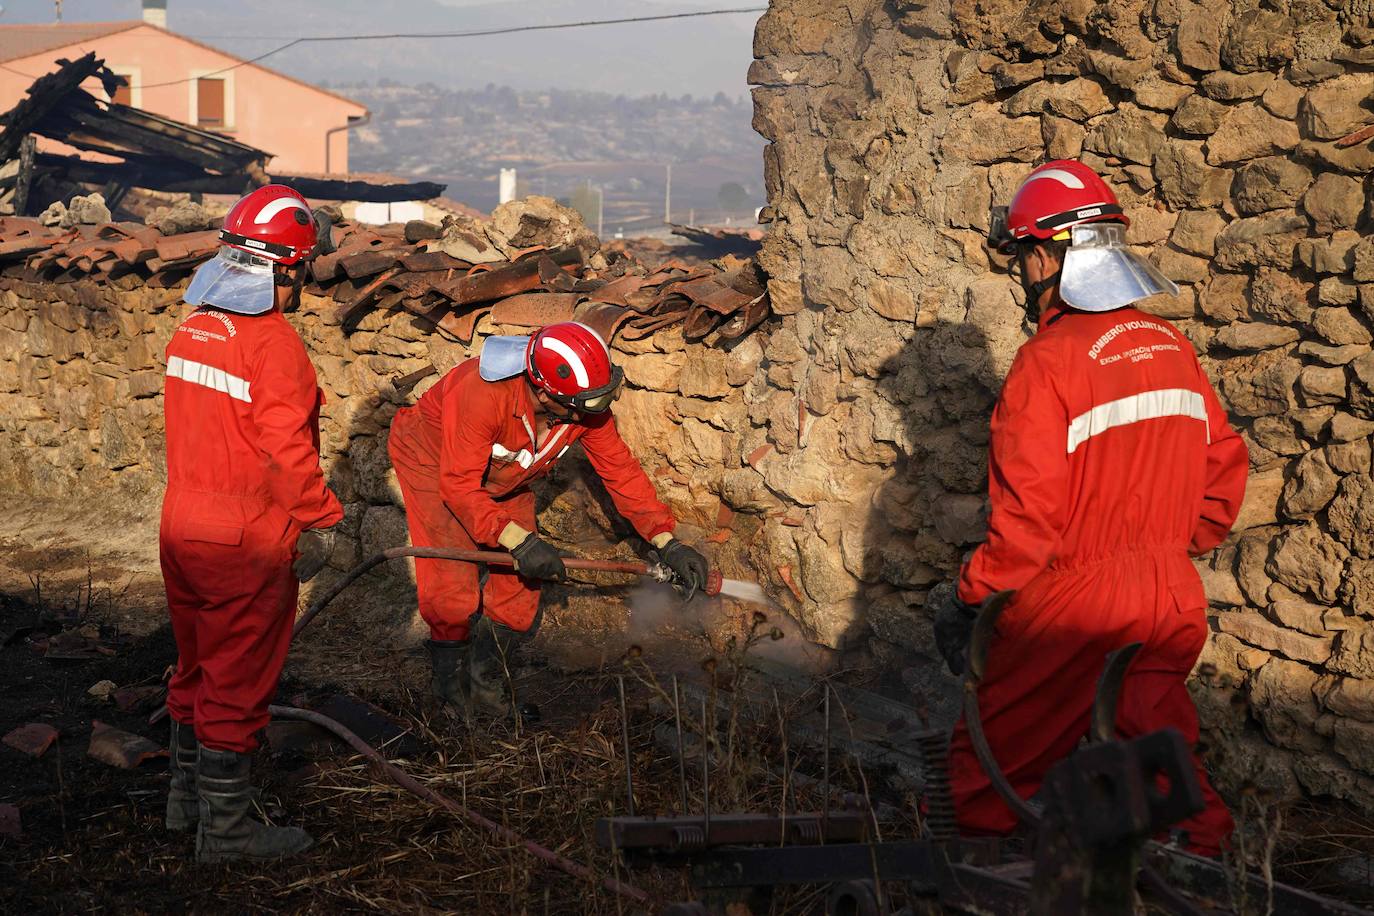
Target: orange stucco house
<point>303,126</point>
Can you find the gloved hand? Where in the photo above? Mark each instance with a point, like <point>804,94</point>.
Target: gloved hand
<point>314,547</point>
<point>953,625</point>
<point>536,558</point>
<point>687,564</point>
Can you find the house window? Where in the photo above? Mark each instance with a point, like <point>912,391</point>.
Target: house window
<point>210,107</point>
<point>130,92</point>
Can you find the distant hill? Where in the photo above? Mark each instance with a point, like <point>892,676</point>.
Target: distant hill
<point>695,56</point>
<point>561,139</point>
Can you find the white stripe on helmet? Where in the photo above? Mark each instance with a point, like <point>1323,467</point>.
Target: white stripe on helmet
<point>1068,179</point>
<point>266,214</point>
<point>575,361</point>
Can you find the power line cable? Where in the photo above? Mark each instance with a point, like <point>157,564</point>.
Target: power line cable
<point>475,33</point>
<point>505,30</point>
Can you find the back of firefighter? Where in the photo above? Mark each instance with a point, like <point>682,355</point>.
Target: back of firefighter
<point>244,485</point>
<point>1111,464</point>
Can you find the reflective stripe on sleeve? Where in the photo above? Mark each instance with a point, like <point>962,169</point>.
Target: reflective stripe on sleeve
<point>1148,405</point>
<point>208,377</point>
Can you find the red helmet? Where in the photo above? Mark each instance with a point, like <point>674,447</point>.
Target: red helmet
<point>273,222</point>
<point>572,364</point>
<point>1052,200</point>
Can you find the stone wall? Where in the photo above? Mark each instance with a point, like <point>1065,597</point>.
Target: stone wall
<point>81,381</point>
<point>1234,134</point>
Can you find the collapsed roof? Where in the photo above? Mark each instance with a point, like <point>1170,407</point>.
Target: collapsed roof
<point>152,152</point>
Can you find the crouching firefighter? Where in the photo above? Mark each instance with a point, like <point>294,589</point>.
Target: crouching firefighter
<point>1111,463</point>
<point>245,518</point>
<point>465,456</point>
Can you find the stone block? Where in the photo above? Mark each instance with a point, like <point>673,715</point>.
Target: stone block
<point>1350,514</point>
<point>1132,134</point>
<point>985,137</point>
<point>1225,297</point>
<point>1281,99</point>
<point>1249,336</point>
<point>1186,181</point>
<point>1319,385</point>
<point>1261,384</point>
<point>1335,108</point>
<point>1234,87</point>
<point>1311,488</point>
<point>1334,202</point>
<point>1196,232</point>
<point>1248,131</point>
<point>1258,39</point>
<point>1252,628</point>
<point>1272,183</point>
<point>1348,697</point>
<point>1261,241</point>
<point>1198,116</point>
<point>1281,694</point>
<point>1354,740</point>
<point>1198,39</point>
<point>1308,561</point>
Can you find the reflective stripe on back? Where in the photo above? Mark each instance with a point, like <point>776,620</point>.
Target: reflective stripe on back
<point>1147,405</point>
<point>208,377</point>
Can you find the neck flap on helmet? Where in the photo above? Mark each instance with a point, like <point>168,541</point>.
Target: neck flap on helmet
<point>1101,273</point>
<point>235,281</point>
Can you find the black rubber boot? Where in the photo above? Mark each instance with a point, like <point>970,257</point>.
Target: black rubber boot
<point>226,831</point>
<point>491,690</point>
<point>183,806</point>
<point>448,660</point>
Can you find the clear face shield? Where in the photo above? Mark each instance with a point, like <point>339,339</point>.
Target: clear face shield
<point>1100,273</point>
<point>235,281</point>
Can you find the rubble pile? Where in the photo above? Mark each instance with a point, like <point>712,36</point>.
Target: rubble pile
<point>1239,138</point>
<point>534,263</point>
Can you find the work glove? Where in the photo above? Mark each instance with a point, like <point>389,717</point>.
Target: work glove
<point>953,625</point>
<point>313,548</point>
<point>687,564</point>
<point>536,558</point>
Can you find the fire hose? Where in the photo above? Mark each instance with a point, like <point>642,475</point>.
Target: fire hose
<point>656,571</point>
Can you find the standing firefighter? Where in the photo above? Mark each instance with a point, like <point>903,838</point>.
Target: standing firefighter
<point>1111,463</point>
<point>246,515</point>
<point>465,457</point>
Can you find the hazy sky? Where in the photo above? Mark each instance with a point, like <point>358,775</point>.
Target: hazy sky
<point>697,56</point>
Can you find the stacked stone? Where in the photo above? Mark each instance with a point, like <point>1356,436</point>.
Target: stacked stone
<point>1237,138</point>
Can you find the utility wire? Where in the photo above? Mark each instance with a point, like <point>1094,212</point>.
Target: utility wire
<point>476,33</point>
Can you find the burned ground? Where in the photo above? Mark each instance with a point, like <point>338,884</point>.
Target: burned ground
<point>92,834</point>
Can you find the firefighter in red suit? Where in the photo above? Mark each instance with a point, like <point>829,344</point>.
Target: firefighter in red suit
<point>246,515</point>
<point>1111,464</point>
<point>465,456</point>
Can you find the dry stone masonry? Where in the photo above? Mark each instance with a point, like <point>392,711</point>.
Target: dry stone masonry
<point>838,453</point>
<point>1238,136</point>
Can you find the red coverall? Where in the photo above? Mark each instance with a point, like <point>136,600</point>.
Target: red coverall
<point>465,456</point>
<point>1111,461</point>
<point>243,481</point>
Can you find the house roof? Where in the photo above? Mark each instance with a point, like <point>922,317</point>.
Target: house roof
<point>28,39</point>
